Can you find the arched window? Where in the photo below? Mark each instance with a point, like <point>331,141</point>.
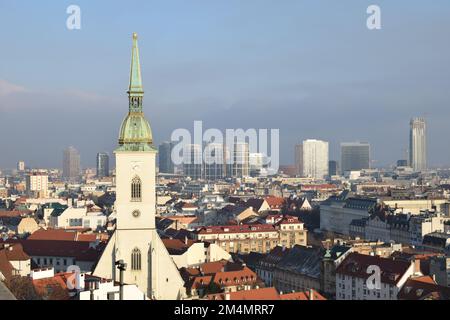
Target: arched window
<point>136,259</point>
<point>136,189</point>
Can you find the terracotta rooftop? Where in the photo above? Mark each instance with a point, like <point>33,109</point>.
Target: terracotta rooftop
<point>302,296</point>
<point>62,235</point>
<point>14,252</point>
<point>254,294</point>
<point>177,246</point>
<point>423,288</point>
<point>275,202</point>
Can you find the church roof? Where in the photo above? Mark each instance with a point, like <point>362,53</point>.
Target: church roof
<point>135,132</point>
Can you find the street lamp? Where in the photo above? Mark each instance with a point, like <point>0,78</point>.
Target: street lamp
<point>122,266</point>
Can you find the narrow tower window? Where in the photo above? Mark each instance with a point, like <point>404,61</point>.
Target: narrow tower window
<point>136,259</point>
<point>136,190</point>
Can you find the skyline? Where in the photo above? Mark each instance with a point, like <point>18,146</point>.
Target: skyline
<point>232,81</point>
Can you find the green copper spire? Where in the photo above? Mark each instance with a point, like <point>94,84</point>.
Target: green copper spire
<point>135,133</point>
<point>135,73</point>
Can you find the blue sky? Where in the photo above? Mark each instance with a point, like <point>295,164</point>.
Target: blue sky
<point>310,68</point>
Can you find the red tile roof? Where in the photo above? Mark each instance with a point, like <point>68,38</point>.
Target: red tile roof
<point>254,294</point>
<point>80,250</point>
<point>421,288</point>
<point>177,246</point>
<point>275,202</point>
<point>264,294</point>
<point>14,252</point>
<point>6,268</point>
<point>302,296</point>
<point>45,287</point>
<point>62,235</point>
<point>233,278</point>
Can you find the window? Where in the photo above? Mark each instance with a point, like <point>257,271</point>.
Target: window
<point>136,259</point>
<point>136,191</point>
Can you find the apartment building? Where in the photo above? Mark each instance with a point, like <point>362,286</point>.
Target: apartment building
<point>261,238</point>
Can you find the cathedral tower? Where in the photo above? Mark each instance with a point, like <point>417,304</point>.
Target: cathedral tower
<point>136,240</point>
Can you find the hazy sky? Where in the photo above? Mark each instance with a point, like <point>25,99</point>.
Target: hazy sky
<point>308,67</point>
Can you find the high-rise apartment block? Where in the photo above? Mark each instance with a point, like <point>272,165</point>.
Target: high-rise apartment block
<point>312,158</point>
<point>102,165</point>
<point>165,157</point>
<point>355,156</point>
<point>418,144</point>
<point>71,164</point>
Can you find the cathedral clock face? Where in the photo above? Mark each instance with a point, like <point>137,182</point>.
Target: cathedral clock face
<point>136,213</point>
<point>136,166</point>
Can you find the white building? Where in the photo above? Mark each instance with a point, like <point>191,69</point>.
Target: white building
<point>337,212</point>
<point>357,277</point>
<point>77,218</point>
<point>198,253</point>
<point>313,159</point>
<point>37,184</point>
<point>418,144</point>
<point>135,241</point>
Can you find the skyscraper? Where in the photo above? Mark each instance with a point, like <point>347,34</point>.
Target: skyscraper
<point>299,159</point>
<point>333,168</point>
<point>314,159</point>
<point>193,161</point>
<point>418,144</point>
<point>241,160</point>
<point>71,164</point>
<point>165,157</point>
<point>214,166</point>
<point>355,156</point>
<point>102,165</point>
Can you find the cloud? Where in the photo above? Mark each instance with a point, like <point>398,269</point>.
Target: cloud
<point>7,88</point>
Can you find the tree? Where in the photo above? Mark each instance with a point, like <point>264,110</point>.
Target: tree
<point>22,288</point>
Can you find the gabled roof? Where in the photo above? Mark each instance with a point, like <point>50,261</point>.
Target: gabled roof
<point>62,235</point>
<point>177,246</point>
<point>6,268</point>
<point>423,288</point>
<point>275,202</point>
<point>80,250</point>
<point>14,252</point>
<point>356,265</point>
<point>302,260</point>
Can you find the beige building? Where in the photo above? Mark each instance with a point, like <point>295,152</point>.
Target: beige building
<point>416,206</point>
<point>27,225</point>
<point>261,238</point>
<point>37,184</point>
